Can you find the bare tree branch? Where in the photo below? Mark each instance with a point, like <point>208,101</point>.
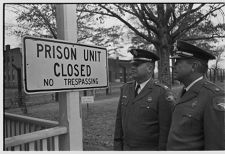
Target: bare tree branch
<point>128,24</point>
<point>204,38</point>
<point>168,13</point>
<point>160,11</point>
<point>183,29</point>
<point>125,10</point>
<point>96,12</point>
<point>150,14</point>
<point>145,22</point>
<point>139,14</point>
<point>174,16</point>
<point>188,12</point>
<point>46,22</point>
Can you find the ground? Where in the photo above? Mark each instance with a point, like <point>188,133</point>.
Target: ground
<point>98,119</point>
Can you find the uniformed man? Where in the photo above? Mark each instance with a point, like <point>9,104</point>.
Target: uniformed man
<point>198,117</point>
<point>144,110</point>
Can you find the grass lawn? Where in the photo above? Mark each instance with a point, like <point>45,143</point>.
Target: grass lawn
<point>98,119</point>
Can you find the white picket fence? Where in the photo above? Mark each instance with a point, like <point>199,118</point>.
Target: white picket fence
<point>23,133</point>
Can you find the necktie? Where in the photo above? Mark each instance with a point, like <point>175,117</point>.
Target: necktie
<point>183,92</point>
<point>136,90</point>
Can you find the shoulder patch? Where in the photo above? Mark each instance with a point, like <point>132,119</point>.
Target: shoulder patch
<point>170,98</point>
<point>219,103</point>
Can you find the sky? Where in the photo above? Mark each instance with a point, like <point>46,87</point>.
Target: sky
<point>17,42</point>
<point>10,19</point>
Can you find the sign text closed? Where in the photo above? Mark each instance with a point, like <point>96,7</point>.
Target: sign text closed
<point>55,65</point>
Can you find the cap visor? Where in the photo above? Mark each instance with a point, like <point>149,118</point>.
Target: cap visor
<point>176,57</point>
<point>181,57</point>
<point>142,59</point>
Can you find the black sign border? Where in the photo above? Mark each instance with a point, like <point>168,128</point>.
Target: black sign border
<point>63,89</point>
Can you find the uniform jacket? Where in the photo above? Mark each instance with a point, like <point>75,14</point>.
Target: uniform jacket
<point>143,122</point>
<point>198,119</point>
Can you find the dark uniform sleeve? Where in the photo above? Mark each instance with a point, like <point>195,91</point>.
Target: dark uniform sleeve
<point>118,134</point>
<point>214,123</point>
<point>165,105</point>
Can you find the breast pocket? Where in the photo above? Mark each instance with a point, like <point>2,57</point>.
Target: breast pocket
<point>148,110</point>
<point>149,106</point>
<point>191,122</point>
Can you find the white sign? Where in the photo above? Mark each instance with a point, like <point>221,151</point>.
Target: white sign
<point>56,65</point>
<point>87,99</point>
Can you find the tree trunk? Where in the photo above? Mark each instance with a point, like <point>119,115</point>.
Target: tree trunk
<point>172,76</point>
<point>163,49</point>
<point>164,67</point>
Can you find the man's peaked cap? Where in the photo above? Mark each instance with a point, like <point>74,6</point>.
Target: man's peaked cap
<point>184,50</point>
<point>143,55</point>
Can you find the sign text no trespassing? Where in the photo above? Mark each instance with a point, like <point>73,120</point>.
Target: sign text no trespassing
<point>56,65</point>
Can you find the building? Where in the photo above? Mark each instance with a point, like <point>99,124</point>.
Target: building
<point>119,70</point>
<point>12,59</point>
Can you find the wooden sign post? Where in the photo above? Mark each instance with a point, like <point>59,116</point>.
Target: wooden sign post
<point>61,65</point>
<point>69,103</point>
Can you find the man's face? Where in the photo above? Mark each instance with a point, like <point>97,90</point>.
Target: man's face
<point>182,70</point>
<point>140,70</point>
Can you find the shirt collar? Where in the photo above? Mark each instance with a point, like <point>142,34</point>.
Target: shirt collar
<point>190,85</point>
<point>142,85</point>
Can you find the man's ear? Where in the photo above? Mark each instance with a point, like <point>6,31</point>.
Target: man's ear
<point>195,66</point>
<point>149,67</point>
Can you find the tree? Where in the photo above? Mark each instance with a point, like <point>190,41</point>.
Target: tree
<point>163,24</point>
<point>40,20</point>
<point>158,25</point>
<point>218,52</point>
<point>34,19</point>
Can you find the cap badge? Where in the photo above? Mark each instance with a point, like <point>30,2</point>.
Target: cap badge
<point>135,52</point>
<point>170,98</point>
